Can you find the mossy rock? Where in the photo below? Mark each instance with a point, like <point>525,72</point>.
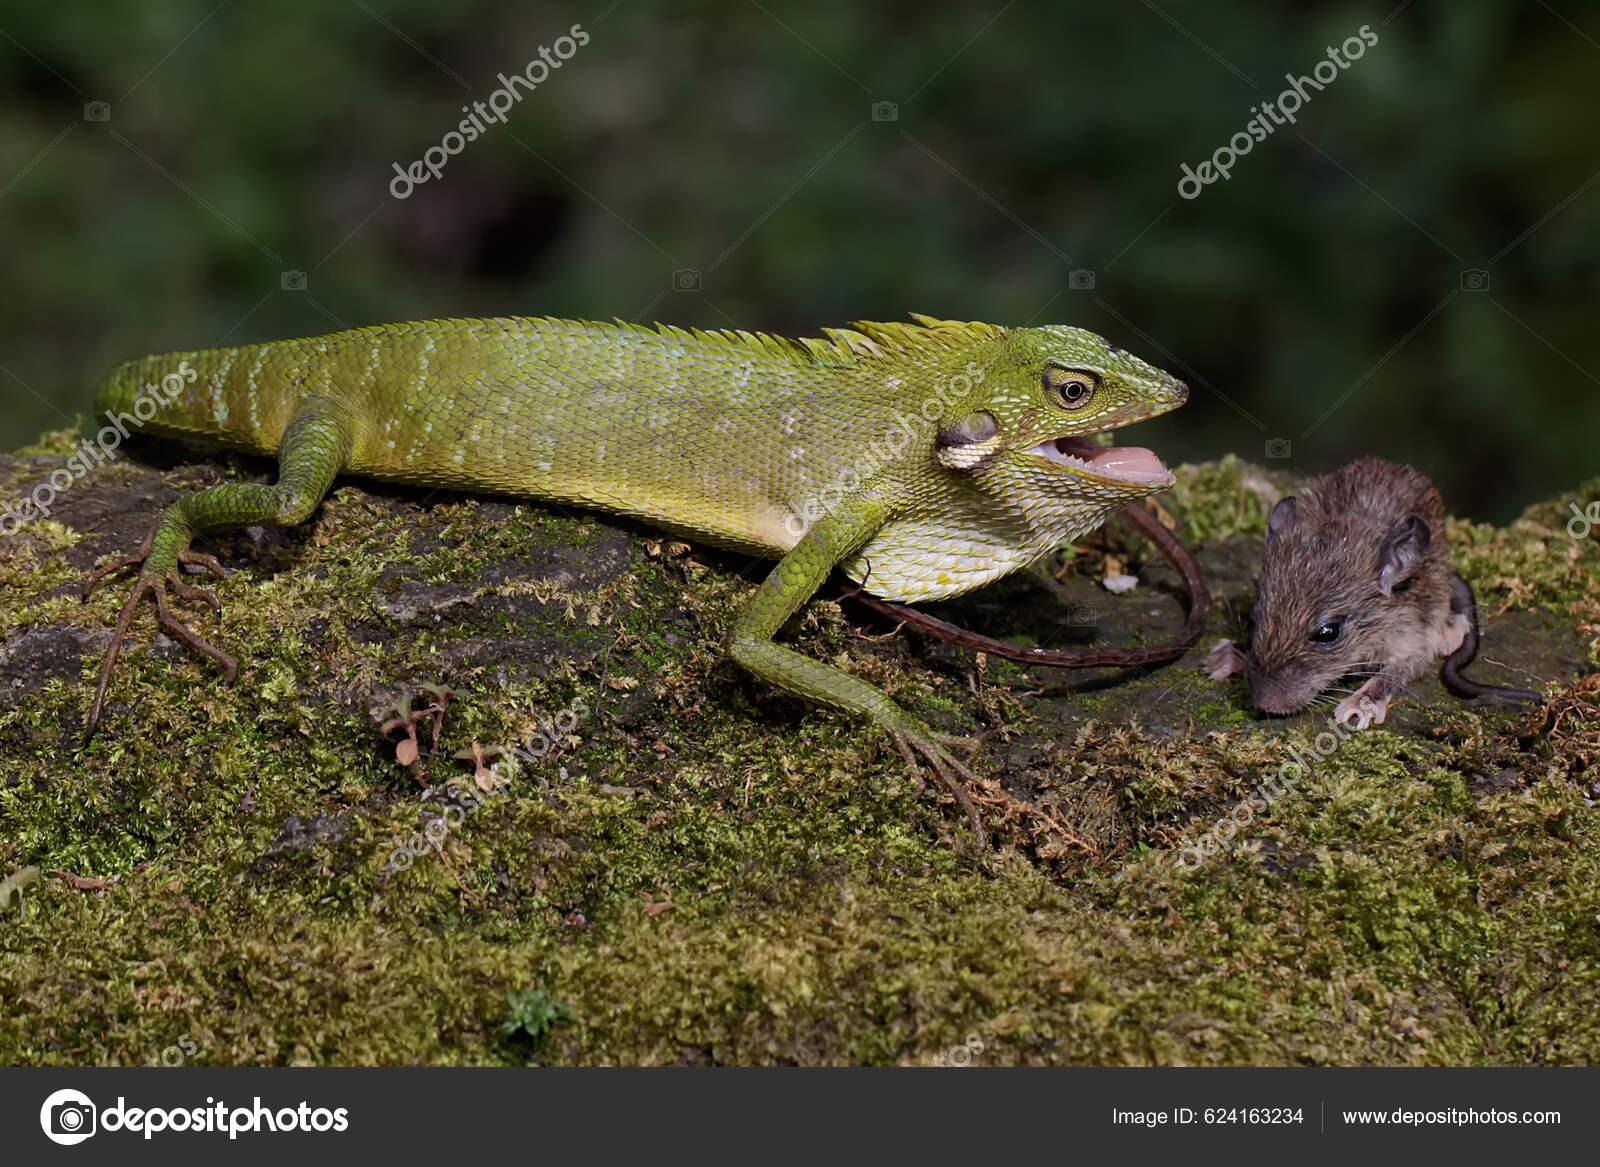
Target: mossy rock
<point>704,871</point>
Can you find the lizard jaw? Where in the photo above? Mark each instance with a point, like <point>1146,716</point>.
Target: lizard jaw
<point>1128,465</point>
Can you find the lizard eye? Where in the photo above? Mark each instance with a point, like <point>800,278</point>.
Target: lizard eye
<point>1070,388</point>
<point>1328,633</point>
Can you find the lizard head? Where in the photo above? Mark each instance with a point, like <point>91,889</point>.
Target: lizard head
<point>1043,397</point>
<point>1018,411</point>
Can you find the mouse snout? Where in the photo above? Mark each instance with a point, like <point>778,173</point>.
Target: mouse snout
<point>1286,691</point>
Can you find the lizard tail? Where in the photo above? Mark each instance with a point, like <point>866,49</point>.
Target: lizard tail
<point>207,394</point>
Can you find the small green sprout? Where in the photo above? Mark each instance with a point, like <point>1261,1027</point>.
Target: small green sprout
<point>533,1015</point>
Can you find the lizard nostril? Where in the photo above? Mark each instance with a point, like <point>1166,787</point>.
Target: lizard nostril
<point>1182,390</point>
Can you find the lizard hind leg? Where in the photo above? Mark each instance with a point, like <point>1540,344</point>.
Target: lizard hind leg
<point>314,449</point>
<point>787,587</point>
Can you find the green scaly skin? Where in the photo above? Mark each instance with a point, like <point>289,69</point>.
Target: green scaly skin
<point>912,456</point>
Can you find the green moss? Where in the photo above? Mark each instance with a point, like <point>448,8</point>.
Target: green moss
<point>52,443</point>
<point>1219,499</point>
<point>1535,562</point>
<point>706,871</point>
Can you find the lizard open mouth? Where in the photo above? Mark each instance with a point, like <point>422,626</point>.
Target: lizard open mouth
<point>1132,464</point>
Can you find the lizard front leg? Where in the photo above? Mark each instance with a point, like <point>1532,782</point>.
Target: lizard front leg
<point>790,584</point>
<point>315,447</point>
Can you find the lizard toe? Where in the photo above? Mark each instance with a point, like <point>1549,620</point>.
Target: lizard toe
<point>967,745</point>
<point>183,632</point>
<point>105,571</point>
<point>195,595</point>
<point>200,559</point>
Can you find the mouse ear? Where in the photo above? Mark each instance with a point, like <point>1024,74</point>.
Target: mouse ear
<point>1282,516</point>
<point>1401,550</point>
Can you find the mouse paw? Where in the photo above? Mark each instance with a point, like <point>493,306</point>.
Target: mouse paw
<point>1224,660</point>
<point>1452,636</point>
<point>1360,710</point>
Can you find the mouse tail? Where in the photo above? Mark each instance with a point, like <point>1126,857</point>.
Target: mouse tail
<point>1463,602</point>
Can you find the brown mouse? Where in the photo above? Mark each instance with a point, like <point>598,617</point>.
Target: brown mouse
<point>1356,581</point>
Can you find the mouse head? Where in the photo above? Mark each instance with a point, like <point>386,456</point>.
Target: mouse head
<point>1333,601</point>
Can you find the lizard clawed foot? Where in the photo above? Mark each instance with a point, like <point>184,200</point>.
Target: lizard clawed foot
<point>210,563</point>
<point>169,622</point>
<point>950,771</point>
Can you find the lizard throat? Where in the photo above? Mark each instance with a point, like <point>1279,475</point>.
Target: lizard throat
<point>1130,464</point>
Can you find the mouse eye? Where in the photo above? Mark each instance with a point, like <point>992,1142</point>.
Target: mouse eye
<point>1071,388</point>
<point>1328,633</point>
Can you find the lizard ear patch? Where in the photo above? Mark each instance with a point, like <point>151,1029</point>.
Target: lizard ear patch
<point>968,443</point>
<point>975,427</point>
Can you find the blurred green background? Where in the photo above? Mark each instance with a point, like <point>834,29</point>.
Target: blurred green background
<point>725,162</point>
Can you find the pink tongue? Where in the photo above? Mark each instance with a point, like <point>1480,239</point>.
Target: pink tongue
<point>1127,460</point>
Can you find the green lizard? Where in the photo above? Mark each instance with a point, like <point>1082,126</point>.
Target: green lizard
<point>923,459</point>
